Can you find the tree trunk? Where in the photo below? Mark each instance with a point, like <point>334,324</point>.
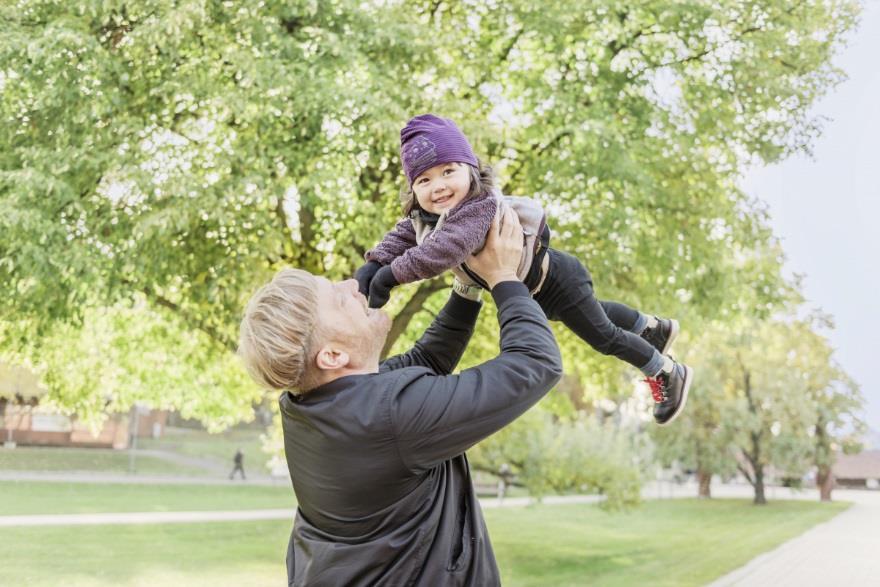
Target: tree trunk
<point>759,486</point>
<point>825,482</point>
<point>705,479</point>
<point>824,458</point>
<point>754,457</point>
<point>571,386</point>
<point>412,307</point>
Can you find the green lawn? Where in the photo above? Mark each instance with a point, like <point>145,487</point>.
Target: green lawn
<point>26,497</point>
<point>28,458</point>
<point>219,447</point>
<point>675,542</point>
<point>670,542</point>
<point>187,555</point>
<point>216,449</point>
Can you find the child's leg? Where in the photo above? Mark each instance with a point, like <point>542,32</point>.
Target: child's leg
<point>624,317</point>
<point>613,329</point>
<point>567,295</point>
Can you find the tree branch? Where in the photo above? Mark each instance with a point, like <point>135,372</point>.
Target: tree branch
<point>704,52</point>
<point>412,307</point>
<point>434,7</point>
<point>746,474</point>
<point>211,331</point>
<point>538,149</point>
<point>307,259</point>
<point>502,57</point>
<point>287,234</point>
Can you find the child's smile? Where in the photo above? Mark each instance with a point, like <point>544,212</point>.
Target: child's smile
<point>442,187</point>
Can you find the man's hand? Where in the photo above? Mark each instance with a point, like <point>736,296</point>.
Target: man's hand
<point>381,285</point>
<point>500,257</point>
<point>364,276</point>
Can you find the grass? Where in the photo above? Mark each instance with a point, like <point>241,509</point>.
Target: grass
<point>222,553</point>
<point>26,497</point>
<point>28,458</point>
<point>674,542</point>
<point>216,450</point>
<point>219,447</point>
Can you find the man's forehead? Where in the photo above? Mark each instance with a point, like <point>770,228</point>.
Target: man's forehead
<point>324,283</point>
<point>325,296</point>
<point>326,287</point>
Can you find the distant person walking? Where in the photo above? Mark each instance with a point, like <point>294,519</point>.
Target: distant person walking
<point>238,459</point>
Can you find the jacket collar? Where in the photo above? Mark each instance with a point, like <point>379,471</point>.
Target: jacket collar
<point>426,217</point>
<point>324,391</point>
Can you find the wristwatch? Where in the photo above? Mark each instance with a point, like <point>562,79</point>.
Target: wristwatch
<point>470,292</point>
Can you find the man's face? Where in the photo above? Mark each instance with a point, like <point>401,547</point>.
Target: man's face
<point>346,318</point>
<point>442,187</point>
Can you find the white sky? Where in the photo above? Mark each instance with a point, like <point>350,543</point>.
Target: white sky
<point>827,209</point>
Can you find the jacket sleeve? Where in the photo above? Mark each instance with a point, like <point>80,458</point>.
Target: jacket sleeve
<point>438,417</point>
<point>443,343</point>
<point>462,233</point>
<point>395,243</point>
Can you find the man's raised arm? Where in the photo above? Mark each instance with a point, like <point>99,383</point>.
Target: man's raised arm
<point>443,343</point>
<point>438,417</point>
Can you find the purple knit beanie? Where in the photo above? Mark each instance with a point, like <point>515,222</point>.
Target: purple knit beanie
<point>429,140</point>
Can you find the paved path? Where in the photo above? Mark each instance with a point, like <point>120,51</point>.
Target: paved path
<point>96,477</point>
<point>187,461</point>
<point>228,516</point>
<point>144,518</point>
<point>843,551</point>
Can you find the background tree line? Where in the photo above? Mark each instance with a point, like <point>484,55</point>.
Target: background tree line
<point>162,159</point>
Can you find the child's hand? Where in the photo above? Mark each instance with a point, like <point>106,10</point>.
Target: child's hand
<point>364,276</point>
<point>502,252</point>
<point>381,286</point>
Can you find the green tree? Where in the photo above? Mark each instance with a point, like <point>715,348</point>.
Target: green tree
<point>548,453</point>
<point>701,439</point>
<point>20,391</point>
<point>769,395</point>
<point>177,153</point>
<point>836,398</point>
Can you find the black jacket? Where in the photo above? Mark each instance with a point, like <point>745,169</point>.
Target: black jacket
<point>377,460</point>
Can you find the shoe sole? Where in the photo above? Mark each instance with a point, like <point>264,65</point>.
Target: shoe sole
<point>673,334</point>
<point>688,379</point>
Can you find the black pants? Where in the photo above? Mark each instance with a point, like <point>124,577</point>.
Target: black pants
<point>567,296</point>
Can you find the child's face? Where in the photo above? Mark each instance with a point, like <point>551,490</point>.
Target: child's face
<point>442,187</point>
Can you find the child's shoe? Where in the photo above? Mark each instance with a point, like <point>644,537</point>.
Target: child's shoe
<point>670,391</point>
<point>663,335</point>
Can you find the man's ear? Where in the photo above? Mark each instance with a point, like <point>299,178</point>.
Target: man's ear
<point>330,358</point>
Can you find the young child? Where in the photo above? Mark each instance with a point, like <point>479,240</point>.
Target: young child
<point>449,207</point>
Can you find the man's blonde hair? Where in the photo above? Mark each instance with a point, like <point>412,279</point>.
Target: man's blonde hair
<point>279,331</point>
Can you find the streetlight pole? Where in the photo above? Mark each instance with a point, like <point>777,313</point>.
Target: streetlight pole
<point>132,438</point>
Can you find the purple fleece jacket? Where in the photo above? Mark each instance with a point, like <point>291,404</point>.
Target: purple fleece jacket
<point>460,232</point>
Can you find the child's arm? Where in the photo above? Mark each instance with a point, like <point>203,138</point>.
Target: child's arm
<point>463,232</point>
<point>394,243</point>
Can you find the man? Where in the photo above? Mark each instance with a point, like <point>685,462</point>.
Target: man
<point>238,462</point>
<point>376,451</point>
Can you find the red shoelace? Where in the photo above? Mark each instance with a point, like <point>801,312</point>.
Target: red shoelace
<point>656,388</point>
